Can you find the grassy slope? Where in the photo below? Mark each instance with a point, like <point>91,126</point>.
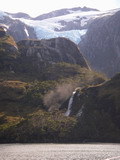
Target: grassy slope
<point>101,118</point>
<point>23,115</point>
<point>22,95</point>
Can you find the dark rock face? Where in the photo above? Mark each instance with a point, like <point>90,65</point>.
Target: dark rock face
<point>51,51</point>
<point>20,31</point>
<point>101,44</point>
<point>17,29</point>
<point>98,111</point>
<point>8,51</point>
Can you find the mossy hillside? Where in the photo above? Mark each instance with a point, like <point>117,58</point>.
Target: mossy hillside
<point>24,115</point>
<point>41,126</point>
<point>6,39</point>
<point>21,98</point>
<point>8,121</point>
<point>8,51</point>
<point>100,111</point>
<point>12,90</point>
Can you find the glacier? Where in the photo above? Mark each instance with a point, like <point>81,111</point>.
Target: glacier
<point>53,27</point>
<point>73,35</point>
<point>46,30</point>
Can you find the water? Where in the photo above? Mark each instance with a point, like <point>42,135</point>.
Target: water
<point>59,151</point>
<point>70,104</point>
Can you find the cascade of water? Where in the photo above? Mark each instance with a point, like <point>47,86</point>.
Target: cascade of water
<point>67,113</point>
<point>80,112</point>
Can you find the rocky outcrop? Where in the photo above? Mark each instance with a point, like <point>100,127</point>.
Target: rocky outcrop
<point>17,29</point>
<point>101,44</point>
<point>98,111</point>
<point>20,31</point>
<point>8,51</point>
<point>40,52</point>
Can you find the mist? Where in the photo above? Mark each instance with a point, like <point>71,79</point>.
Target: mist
<point>60,94</point>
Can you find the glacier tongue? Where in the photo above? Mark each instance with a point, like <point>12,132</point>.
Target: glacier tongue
<point>73,35</point>
<point>72,26</point>
<point>46,30</point>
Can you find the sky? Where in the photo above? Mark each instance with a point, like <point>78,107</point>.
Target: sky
<point>37,7</point>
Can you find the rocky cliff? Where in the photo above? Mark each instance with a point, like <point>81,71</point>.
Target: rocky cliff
<point>97,32</point>
<point>8,51</point>
<point>51,51</point>
<point>43,76</point>
<point>98,111</point>
<point>101,44</point>
<point>17,29</point>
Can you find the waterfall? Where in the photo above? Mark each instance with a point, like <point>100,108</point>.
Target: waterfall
<point>80,112</point>
<point>67,113</point>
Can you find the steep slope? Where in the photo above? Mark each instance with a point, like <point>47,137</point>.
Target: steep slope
<point>8,51</point>
<point>98,111</point>
<point>38,53</point>
<point>17,29</point>
<point>70,23</point>
<point>38,84</point>
<point>101,44</point>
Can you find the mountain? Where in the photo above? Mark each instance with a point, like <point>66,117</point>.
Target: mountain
<point>17,29</point>
<point>98,111</point>
<point>62,12</point>
<point>36,78</point>
<point>48,92</point>
<point>70,23</point>
<point>77,24</point>
<point>8,50</point>
<point>101,46</point>
<point>19,15</point>
<point>55,50</point>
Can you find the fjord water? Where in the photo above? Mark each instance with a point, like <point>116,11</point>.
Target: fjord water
<point>59,151</point>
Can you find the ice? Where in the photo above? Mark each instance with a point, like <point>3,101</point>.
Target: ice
<point>51,27</point>
<point>2,14</point>
<point>74,35</point>
<point>46,30</point>
<point>26,31</point>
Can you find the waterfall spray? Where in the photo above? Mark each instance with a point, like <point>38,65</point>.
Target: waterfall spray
<point>67,113</point>
<point>80,112</point>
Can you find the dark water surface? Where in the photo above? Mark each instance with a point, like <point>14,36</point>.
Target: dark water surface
<point>59,151</point>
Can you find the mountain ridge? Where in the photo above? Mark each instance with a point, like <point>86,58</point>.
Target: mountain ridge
<point>32,89</point>
<point>48,93</point>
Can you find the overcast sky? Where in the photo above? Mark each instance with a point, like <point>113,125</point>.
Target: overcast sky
<point>37,7</point>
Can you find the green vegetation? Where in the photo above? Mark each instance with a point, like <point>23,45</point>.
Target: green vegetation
<point>101,106</point>
<point>8,51</point>
<point>34,96</point>
<point>41,126</point>
<point>24,114</point>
